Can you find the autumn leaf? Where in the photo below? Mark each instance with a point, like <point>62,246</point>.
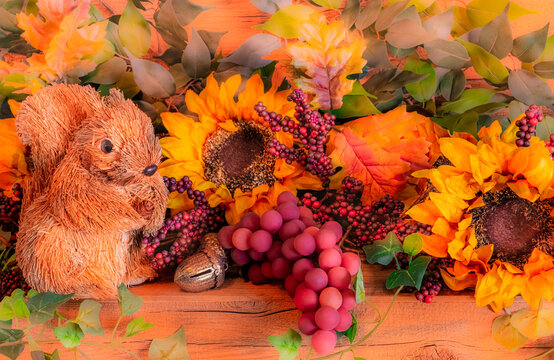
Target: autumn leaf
<point>320,61</point>
<point>534,323</point>
<point>382,150</point>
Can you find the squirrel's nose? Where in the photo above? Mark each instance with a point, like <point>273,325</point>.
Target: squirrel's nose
<point>150,170</point>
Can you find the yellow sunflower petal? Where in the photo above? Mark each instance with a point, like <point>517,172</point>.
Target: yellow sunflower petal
<point>458,150</point>
<point>451,206</point>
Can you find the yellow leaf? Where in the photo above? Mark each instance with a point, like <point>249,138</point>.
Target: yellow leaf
<point>504,333</point>
<point>287,21</point>
<point>480,12</point>
<point>534,323</point>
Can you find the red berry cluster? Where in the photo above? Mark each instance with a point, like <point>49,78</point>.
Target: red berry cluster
<point>432,281</point>
<point>285,244</point>
<point>11,277</point>
<point>550,145</point>
<point>10,209</point>
<point>310,129</point>
<point>528,125</point>
<point>190,226</point>
<point>367,223</point>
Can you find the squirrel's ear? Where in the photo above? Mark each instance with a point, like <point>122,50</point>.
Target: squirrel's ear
<point>115,97</point>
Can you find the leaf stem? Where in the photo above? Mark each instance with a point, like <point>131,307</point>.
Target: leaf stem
<point>309,353</point>
<point>542,355</point>
<point>112,347</point>
<point>366,336</point>
<point>115,329</point>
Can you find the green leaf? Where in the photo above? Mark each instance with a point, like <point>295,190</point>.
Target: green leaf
<point>20,309</point>
<point>356,103</point>
<point>31,293</point>
<point>5,324</point>
<point>134,31</point>
<point>88,317</point>
<point>359,287</point>
<point>529,47</point>
<point>70,335</point>
<point>470,98</point>
<point>485,64</point>
<point>351,332</point>
<point>504,333</point>
<point>36,351</point>
<point>387,15</point>
<point>376,53</point>
<point>211,39</point>
<point>152,78</point>
<point>447,54</point>
<point>329,4</point>
<point>287,344</point>
<point>452,84</point>
<point>129,303</point>
<point>413,244</point>
<point>529,88</point>
<point>179,74</point>
<point>465,122</point>
<point>52,356</point>
<point>350,13</point>
<point>6,309</point>
<point>368,15</point>
<point>481,12</point>
<point>168,21</point>
<point>417,269</point>
<point>196,57</point>
<point>250,54</point>
<point>173,347</point>
<point>136,326</point>
<point>544,69</point>
<point>548,53</point>
<point>12,351</point>
<point>108,72</point>
<point>399,278</point>
<point>270,6</point>
<point>545,128</point>
<point>287,21</point>
<point>43,305</point>
<point>440,24</point>
<point>126,84</point>
<point>383,251</point>
<point>424,89</point>
<point>407,33</point>
<point>496,36</point>
<point>10,335</point>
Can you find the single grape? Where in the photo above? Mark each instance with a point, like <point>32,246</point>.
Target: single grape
<point>286,196</point>
<point>325,239</point>
<point>241,237</point>
<point>306,323</point>
<point>324,341</point>
<point>290,285</point>
<point>288,250</point>
<point>280,268</point>
<point>329,258</point>
<point>290,229</point>
<point>351,262</point>
<point>275,251</point>
<point>312,230</point>
<point>266,270</point>
<point>261,241</point>
<point>345,320</point>
<point>348,299</point>
<point>301,267</point>
<point>304,244</point>
<point>335,227</point>
<point>330,296</point>
<point>339,277</point>
<point>250,221</point>
<point>305,213</point>
<point>225,236</point>
<point>289,211</point>
<point>305,299</point>
<point>256,255</point>
<point>255,275</point>
<point>240,257</point>
<point>316,279</point>
<point>302,285</point>
<point>326,318</point>
<point>271,221</point>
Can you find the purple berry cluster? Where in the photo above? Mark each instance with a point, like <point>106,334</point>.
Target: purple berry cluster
<point>310,129</point>
<point>190,226</point>
<point>528,125</point>
<point>10,209</point>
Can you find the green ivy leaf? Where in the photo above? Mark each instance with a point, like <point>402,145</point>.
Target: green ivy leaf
<point>109,72</point>
<point>496,36</point>
<point>250,54</point>
<point>52,356</point>
<point>544,69</point>
<point>70,335</point>
<point>368,15</point>
<point>173,347</point>
<point>529,47</point>
<point>129,303</point>
<point>152,78</point>
<point>383,251</point>
<point>452,84</point>
<point>6,309</point>
<point>485,64</point>
<point>10,335</point>
<point>43,305</point>
<point>359,287</point>
<point>287,21</point>
<point>529,88</point>
<point>413,244</point>
<point>329,4</point>
<point>287,344</point>
<point>388,14</point>
<point>399,277</point>
<point>424,89</point>
<point>12,351</point>
<point>136,326</point>
<point>470,98</point>
<point>504,333</point>
<point>350,333</point>
<point>88,317</point>
<point>446,53</point>
<point>350,13</point>
<point>31,293</point>
<point>417,269</point>
<point>134,31</point>
<point>5,324</point>
<point>441,24</point>
<point>196,57</point>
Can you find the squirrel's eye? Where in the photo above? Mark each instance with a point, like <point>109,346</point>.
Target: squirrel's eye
<point>106,146</point>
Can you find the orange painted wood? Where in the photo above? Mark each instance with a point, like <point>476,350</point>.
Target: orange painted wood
<point>233,322</point>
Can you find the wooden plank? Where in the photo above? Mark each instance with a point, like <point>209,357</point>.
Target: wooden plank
<point>233,322</point>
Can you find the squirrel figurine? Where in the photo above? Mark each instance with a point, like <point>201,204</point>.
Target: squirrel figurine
<point>93,190</point>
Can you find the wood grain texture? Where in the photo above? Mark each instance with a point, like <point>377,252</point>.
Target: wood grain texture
<point>233,322</point>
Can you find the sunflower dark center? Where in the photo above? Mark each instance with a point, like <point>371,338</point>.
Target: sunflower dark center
<point>239,159</point>
<point>514,225</point>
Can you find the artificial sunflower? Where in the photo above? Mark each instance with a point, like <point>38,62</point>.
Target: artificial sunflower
<point>492,212</point>
<point>225,150</point>
<point>13,167</point>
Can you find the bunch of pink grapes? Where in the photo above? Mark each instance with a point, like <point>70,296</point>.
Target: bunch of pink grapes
<point>285,244</point>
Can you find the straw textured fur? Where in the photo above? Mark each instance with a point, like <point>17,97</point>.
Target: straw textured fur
<point>86,204</point>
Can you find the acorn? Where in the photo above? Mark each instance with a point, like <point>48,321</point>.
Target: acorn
<point>205,269</point>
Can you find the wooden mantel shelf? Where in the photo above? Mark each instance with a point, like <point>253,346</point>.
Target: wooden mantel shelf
<point>233,322</point>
